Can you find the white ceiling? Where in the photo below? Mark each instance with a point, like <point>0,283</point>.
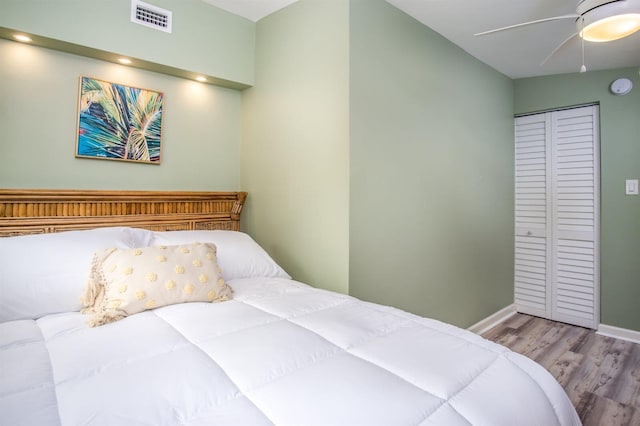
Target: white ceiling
<point>516,53</point>
<point>251,9</point>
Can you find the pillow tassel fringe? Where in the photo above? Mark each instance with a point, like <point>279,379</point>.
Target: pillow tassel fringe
<point>105,318</point>
<point>94,294</point>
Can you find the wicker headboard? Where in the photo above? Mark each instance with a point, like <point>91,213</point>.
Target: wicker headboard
<point>36,211</point>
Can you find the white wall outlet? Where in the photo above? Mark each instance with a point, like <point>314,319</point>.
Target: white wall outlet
<point>631,186</point>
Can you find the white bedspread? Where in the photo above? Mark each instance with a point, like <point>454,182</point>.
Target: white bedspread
<point>279,353</point>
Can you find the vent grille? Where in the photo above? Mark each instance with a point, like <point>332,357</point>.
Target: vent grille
<point>150,16</point>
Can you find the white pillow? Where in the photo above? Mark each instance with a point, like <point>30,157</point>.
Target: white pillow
<point>46,273</point>
<point>239,256</point>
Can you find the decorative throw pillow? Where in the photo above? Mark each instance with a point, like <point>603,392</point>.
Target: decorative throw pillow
<point>123,282</point>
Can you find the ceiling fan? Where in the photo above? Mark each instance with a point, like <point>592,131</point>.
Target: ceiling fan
<point>596,21</point>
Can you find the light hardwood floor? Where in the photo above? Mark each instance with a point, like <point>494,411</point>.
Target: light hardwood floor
<point>600,374</point>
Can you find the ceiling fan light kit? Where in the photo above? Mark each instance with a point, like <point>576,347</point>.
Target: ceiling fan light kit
<point>606,20</point>
<point>596,20</point>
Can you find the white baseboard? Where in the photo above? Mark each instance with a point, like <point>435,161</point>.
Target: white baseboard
<point>508,311</point>
<point>493,319</point>
<point>619,333</point>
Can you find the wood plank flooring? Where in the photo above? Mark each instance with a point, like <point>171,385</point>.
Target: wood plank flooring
<point>600,374</point>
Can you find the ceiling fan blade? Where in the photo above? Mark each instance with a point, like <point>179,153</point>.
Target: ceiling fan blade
<point>560,46</point>
<point>555,18</point>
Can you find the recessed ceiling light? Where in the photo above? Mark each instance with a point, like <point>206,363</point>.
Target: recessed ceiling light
<point>23,38</point>
<point>201,79</point>
<point>124,61</point>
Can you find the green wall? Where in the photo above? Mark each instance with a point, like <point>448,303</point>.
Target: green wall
<point>39,112</point>
<point>431,171</point>
<point>204,39</point>
<point>375,169</point>
<point>295,141</point>
<point>619,160</point>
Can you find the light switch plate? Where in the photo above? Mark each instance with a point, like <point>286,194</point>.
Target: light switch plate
<point>631,186</point>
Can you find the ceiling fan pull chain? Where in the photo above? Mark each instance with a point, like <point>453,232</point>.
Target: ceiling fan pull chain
<point>583,68</point>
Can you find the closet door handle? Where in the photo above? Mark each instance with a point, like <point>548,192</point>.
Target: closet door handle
<point>529,233</point>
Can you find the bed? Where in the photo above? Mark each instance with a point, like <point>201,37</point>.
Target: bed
<point>255,347</point>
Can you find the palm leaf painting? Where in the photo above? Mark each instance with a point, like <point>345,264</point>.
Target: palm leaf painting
<point>119,122</point>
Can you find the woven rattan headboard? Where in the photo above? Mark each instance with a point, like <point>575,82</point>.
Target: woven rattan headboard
<point>36,211</point>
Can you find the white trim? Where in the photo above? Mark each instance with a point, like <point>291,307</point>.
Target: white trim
<point>496,318</point>
<point>619,333</point>
<point>493,319</point>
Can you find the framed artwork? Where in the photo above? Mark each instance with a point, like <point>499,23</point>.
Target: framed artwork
<point>118,122</point>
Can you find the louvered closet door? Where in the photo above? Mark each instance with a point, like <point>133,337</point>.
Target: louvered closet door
<point>531,212</point>
<point>575,216</point>
<point>556,214</point>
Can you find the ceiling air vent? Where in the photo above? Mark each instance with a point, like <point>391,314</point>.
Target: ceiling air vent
<point>150,16</point>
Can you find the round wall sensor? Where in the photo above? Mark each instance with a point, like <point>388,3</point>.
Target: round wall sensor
<point>621,86</point>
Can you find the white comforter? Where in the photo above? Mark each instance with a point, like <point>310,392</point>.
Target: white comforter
<point>279,353</point>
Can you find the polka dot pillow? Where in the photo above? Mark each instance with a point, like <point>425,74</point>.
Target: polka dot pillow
<point>123,282</point>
